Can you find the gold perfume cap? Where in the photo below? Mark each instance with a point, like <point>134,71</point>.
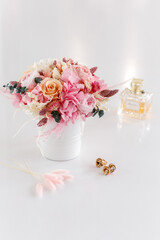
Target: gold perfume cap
<point>136,85</point>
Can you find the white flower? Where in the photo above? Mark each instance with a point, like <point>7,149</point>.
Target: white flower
<point>42,65</point>
<point>33,108</point>
<point>56,73</point>
<point>64,65</point>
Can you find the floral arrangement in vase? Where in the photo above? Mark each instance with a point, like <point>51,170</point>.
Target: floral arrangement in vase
<point>60,91</point>
<point>60,94</point>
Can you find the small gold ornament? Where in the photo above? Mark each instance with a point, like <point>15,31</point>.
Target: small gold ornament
<point>112,167</point>
<point>106,170</point>
<point>100,162</point>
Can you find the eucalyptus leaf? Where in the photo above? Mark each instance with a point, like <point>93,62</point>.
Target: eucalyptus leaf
<point>56,115</point>
<point>15,85</point>
<point>18,90</point>
<point>11,88</point>
<point>38,80</point>
<point>101,113</point>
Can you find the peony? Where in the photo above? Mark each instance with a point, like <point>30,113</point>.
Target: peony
<point>37,92</point>
<point>28,80</point>
<point>87,104</point>
<point>69,75</point>
<point>51,88</point>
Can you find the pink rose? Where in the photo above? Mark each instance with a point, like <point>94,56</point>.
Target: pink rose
<point>87,104</point>
<point>76,73</point>
<point>52,88</point>
<point>28,80</point>
<point>83,72</point>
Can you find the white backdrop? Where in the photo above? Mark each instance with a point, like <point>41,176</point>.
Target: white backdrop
<point>122,38</point>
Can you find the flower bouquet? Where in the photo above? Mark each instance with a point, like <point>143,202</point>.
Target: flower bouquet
<point>60,95</point>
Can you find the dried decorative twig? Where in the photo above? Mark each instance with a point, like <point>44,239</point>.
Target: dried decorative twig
<point>48,181</point>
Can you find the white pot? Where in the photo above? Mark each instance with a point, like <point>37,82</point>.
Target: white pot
<point>65,147</point>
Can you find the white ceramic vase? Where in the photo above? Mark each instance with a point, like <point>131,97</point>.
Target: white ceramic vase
<point>65,147</point>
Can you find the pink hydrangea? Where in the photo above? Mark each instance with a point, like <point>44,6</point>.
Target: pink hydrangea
<point>70,99</point>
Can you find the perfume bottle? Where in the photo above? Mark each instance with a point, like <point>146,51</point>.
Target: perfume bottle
<point>136,102</point>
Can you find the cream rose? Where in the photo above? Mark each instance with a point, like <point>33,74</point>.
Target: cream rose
<point>51,88</point>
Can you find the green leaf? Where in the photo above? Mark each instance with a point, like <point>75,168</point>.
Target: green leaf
<point>24,89</point>
<point>101,113</point>
<point>11,88</point>
<point>15,85</point>
<point>56,115</point>
<point>58,118</point>
<point>38,80</point>
<point>95,110</point>
<point>94,114</point>
<point>5,86</point>
<point>18,90</point>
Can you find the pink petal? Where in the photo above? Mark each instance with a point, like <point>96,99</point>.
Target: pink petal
<point>43,112</point>
<point>39,189</point>
<point>93,69</point>
<point>64,60</point>
<point>56,179</point>
<point>59,182</point>
<point>49,184</point>
<point>42,122</point>
<point>70,75</point>
<point>67,177</point>
<point>60,171</point>
<point>108,93</point>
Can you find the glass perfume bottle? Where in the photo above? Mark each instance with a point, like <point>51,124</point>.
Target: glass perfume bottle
<point>136,102</point>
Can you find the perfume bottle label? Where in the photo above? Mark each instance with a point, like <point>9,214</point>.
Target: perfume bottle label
<point>132,105</point>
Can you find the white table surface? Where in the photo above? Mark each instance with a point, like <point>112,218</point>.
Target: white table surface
<point>124,205</point>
